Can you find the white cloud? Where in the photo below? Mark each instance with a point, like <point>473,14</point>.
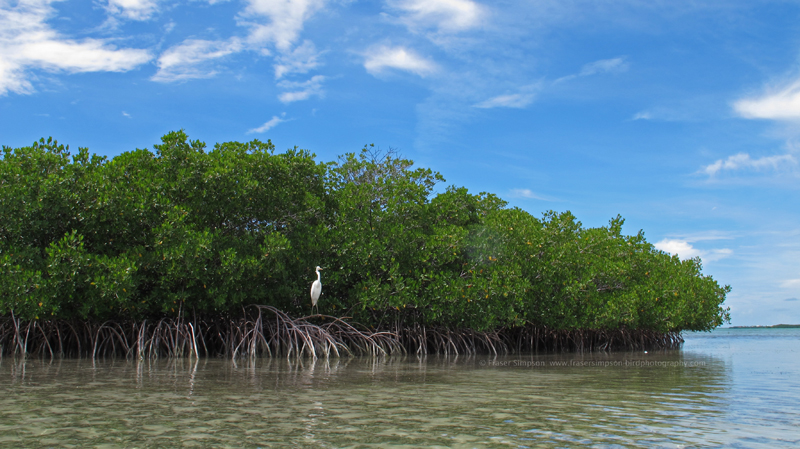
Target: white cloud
<point>521,99</point>
<point>507,101</point>
<point>273,122</point>
<point>380,58</point>
<point>742,161</point>
<point>28,43</point>
<point>286,20</point>
<point>529,194</point>
<point>524,193</point>
<point>709,235</point>
<point>684,111</point>
<point>279,23</point>
<point>614,65</point>
<point>685,250</point>
<point>790,283</point>
<point>90,55</point>
<point>783,104</point>
<point>274,27</point>
<point>13,78</point>
<point>190,59</point>
<point>126,114</point>
<point>680,247</point>
<point>133,9</point>
<point>446,15</point>
<point>300,60</point>
<point>299,91</point>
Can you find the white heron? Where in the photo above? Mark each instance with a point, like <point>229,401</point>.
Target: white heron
<point>316,290</point>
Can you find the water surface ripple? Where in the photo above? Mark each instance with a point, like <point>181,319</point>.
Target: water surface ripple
<point>732,388</point>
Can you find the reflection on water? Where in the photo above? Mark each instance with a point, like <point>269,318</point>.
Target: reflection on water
<point>694,397</point>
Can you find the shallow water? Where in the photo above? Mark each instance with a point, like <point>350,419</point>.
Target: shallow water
<point>733,388</point>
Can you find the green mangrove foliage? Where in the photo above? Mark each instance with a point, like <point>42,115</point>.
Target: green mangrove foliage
<point>184,230</point>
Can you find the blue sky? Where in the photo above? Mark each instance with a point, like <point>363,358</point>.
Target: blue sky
<point>683,117</point>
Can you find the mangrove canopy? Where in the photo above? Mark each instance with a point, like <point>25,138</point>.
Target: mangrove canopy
<point>184,231</point>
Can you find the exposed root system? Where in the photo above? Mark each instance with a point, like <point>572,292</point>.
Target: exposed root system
<point>268,332</point>
<point>429,340</point>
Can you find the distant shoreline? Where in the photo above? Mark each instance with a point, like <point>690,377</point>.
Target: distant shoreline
<point>775,326</point>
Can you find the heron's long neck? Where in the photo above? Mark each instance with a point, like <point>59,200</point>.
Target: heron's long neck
<point>318,278</point>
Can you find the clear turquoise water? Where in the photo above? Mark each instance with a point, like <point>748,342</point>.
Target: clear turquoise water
<point>727,388</point>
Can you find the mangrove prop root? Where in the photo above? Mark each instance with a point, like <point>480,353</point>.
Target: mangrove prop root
<point>264,331</point>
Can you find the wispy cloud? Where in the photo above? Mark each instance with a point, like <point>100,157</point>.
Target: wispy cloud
<point>300,60</point>
<point>445,15</point>
<point>28,43</point>
<point>274,26</point>
<point>378,59</point>
<point>520,99</point>
<point>273,122</point>
<point>133,9</point>
<point>743,161</point>
<point>703,236</point>
<point>529,194</point>
<point>777,104</point>
<point>614,65</point>
<point>125,114</point>
<point>286,19</point>
<point>298,91</point>
<point>790,283</point>
<point>277,25</point>
<point>667,114</point>
<point>190,59</point>
<point>685,250</point>
<point>527,94</point>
